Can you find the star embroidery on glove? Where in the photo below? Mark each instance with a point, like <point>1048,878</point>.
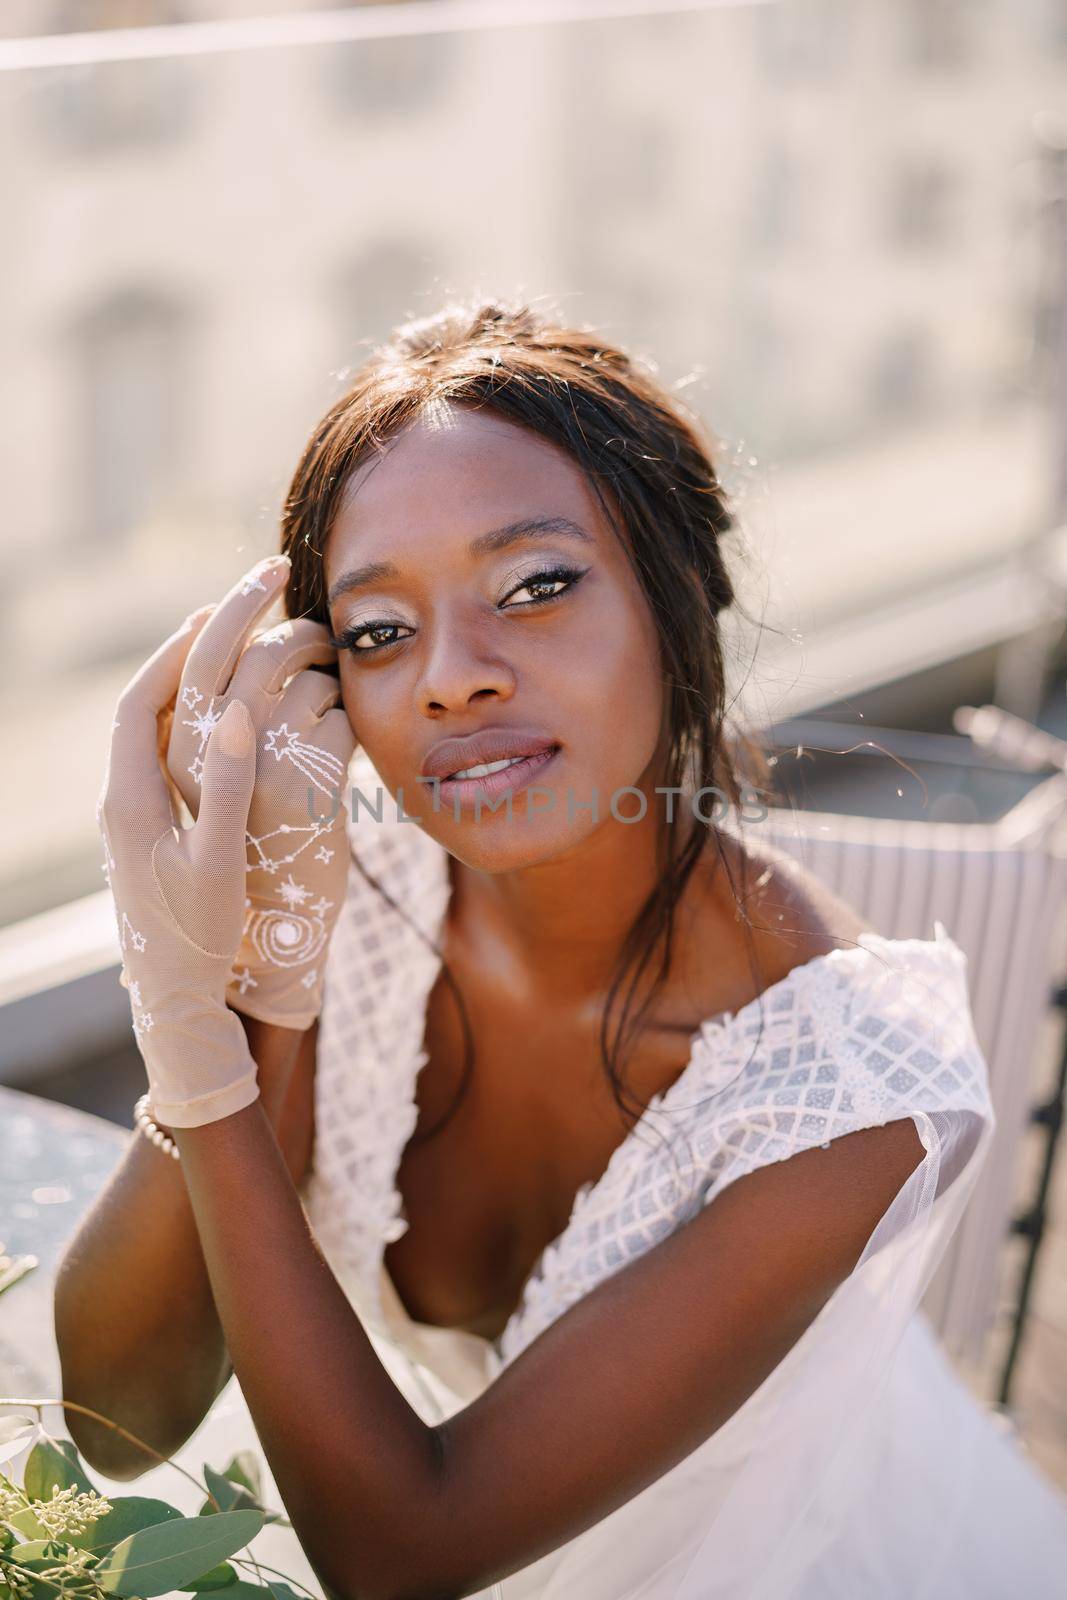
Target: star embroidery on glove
<point>137,939</point>
<point>322,767</point>
<point>145,1023</point>
<point>204,723</point>
<point>294,894</point>
<point>310,979</point>
<point>251,583</point>
<point>135,993</point>
<point>271,745</point>
<point>321,906</point>
<point>196,768</point>
<point>191,697</point>
<point>245,980</point>
<point>284,630</point>
<point>322,854</point>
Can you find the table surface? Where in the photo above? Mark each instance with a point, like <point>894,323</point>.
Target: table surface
<point>53,1162</point>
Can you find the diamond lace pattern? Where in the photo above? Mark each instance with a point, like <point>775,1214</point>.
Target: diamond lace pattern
<point>849,1040</point>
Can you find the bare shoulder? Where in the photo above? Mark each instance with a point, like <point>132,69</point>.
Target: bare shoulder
<point>794,915</point>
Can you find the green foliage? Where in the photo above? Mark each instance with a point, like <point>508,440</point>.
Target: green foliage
<point>60,1536</point>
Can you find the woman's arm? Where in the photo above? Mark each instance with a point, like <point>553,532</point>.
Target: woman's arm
<point>618,1390</point>
<point>138,1334</point>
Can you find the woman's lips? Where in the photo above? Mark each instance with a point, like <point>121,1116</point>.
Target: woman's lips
<point>459,792</point>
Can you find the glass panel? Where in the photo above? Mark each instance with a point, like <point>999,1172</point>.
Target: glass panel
<point>831,224</point>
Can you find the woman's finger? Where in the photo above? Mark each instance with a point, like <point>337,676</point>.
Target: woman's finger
<point>134,788</point>
<point>221,642</point>
<point>274,657</point>
<point>307,697</point>
<point>206,686</point>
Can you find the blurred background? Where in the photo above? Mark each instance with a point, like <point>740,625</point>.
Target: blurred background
<point>838,228</point>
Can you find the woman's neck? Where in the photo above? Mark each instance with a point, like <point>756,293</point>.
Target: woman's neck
<point>557,926</point>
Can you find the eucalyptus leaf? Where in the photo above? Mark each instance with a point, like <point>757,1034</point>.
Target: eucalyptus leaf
<point>47,1550</point>
<point>128,1514</point>
<point>37,1556</point>
<point>244,1468</point>
<point>221,1577</point>
<point>54,1462</point>
<point>233,1495</point>
<point>15,1435</point>
<point>230,1496</point>
<point>172,1554</point>
<point>246,1591</point>
<point>26,1523</point>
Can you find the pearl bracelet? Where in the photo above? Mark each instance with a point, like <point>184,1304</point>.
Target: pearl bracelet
<point>151,1130</point>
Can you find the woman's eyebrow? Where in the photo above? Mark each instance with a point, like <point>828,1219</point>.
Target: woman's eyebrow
<point>484,544</point>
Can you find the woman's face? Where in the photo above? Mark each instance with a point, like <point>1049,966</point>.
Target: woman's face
<point>461,515</point>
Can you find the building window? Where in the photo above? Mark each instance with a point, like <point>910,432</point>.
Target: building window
<point>134,398</point>
<point>940,34</point>
<point>388,282</point>
<point>775,213</point>
<point>383,77</point>
<point>901,374</point>
<point>1054,25</point>
<point>111,104</point>
<point>922,205</point>
<point>805,40</point>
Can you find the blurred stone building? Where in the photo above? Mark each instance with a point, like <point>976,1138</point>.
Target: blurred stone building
<point>826,218</point>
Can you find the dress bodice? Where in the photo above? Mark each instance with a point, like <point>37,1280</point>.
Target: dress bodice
<point>850,1039</point>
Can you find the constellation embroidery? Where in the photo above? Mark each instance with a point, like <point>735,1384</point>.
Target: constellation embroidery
<point>309,759</point>
<point>271,864</point>
<point>322,854</point>
<point>252,582</point>
<point>191,697</point>
<point>136,939</point>
<point>244,980</point>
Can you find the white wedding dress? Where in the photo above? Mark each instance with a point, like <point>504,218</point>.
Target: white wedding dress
<point>862,1467</point>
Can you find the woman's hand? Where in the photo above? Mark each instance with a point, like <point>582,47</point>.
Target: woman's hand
<point>179,897</point>
<point>298,859</point>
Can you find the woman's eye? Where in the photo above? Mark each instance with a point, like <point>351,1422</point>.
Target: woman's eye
<point>351,638</point>
<point>567,576</point>
<point>541,586</point>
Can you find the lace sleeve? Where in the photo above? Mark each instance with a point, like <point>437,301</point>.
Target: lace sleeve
<point>884,1033</point>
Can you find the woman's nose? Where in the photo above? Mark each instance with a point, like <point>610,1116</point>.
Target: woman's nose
<point>462,665</point>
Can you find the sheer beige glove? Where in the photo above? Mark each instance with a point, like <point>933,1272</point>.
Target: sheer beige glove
<point>179,898</point>
<point>298,857</point>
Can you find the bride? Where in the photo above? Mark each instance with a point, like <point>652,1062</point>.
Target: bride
<point>558,1169</point>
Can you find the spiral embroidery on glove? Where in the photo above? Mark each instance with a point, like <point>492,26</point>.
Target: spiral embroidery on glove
<point>285,938</point>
